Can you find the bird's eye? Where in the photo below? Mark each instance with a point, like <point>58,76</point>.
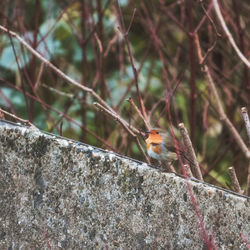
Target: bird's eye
<point>157,133</point>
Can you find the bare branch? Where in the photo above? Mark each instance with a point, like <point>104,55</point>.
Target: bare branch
<point>39,77</point>
<point>141,149</point>
<point>58,92</point>
<point>229,36</point>
<point>17,118</point>
<point>214,27</point>
<point>247,123</point>
<point>248,181</point>
<point>115,117</point>
<point>188,144</point>
<point>67,117</point>
<point>125,34</point>
<point>234,180</point>
<point>188,170</point>
<point>124,125</point>
<point>147,124</point>
<point>131,21</point>
<point>110,44</point>
<point>63,75</point>
<point>222,115</point>
<point>58,71</point>
<point>246,120</point>
<point>99,43</point>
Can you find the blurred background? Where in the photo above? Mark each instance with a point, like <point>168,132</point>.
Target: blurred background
<point>84,39</point>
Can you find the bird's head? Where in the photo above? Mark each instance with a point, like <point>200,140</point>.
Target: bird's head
<point>155,135</point>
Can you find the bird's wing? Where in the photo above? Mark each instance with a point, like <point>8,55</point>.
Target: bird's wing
<point>169,143</point>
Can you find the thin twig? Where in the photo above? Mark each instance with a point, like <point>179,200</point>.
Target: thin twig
<point>147,124</point>
<point>99,43</point>
<point>124,125</point>
<point>64,76</point>
<point>203,18</point>
<point>204,122</point>
<point>209,18</point>
<point>248,181</point>
<point>190,150</point>
<point>246,120</point>
<point>169,166</point>
<point>222,115</point>
<point>154,107</point>
<point>234,180</point>
<point>2,115</point>
<point>125,34</point>
<point>110,44</point>
<point>8,102</point>
<point>59,72</point>
<point>141,149</point>
<point>39,77</point>
<point>17,118</point>
<point>247,123</point>
<point>47,63</point>
<point>131,21</point>
<point>156,44</point>
<point>209,242</point>
<point>188,170</point>
<point>214,27</point>
<point>228,34</point>
<point>115,117</point>
<point>58,92</point>
<point>67,117</point>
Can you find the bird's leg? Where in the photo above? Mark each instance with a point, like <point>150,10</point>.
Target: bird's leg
<point>171,167</point>
<point>168,165</point>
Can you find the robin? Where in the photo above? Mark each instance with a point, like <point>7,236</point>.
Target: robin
<point>160,145</point>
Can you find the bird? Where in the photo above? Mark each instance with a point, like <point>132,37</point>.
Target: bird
<point>160,145</point>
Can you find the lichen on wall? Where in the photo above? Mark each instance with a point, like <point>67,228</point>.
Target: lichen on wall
<point>55,193</point>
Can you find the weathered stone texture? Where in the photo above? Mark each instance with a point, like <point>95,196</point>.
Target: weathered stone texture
<point>58,194</point>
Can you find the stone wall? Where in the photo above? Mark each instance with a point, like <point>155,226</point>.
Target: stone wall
<point>59,194</point>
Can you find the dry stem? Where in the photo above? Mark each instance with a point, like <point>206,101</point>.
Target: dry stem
<point>248,181</point>
<point>234,180</point>
<point>124,125</point>
<point>190,150</point>
<point>17,118</point>
<point>105,107</point>
<point>247,123</point>
<point>188,170</point>
<point>131,58</point>
<point>168,166</point>
<point>246,120</point>
<point>229,36</point>
<point>147,124</point>
<point>222,115</point>
<point>63,75</point>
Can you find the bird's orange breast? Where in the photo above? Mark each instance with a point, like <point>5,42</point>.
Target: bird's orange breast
<point>156,148</point>
<point>154,138</point>
<point>153,142</point>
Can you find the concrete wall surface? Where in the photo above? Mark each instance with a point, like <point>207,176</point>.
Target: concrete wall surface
<point>59,194</point>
